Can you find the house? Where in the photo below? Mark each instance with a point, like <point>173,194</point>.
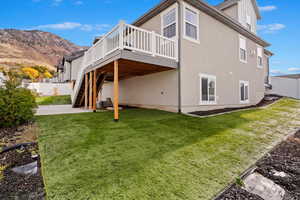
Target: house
<point>68,67</point>
<point>286,85</point>
<point>180,56</point>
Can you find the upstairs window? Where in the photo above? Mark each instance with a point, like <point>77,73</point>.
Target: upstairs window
<point>191,23</point>
<point>259,57</point>
<point>244,91</point>
<point>169,23</point>
<point>243,50</point>
<point>208,89</point>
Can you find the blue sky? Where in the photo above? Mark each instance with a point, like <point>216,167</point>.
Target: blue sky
<point>81,20</point>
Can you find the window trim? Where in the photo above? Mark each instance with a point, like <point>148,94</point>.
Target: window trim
<point>239,49</point>
<point>176,19</point>
<point>240,96</point>
<point>187,6</point>
<point>260,49</point>
<point>249,22</point>
<point>208,76</point>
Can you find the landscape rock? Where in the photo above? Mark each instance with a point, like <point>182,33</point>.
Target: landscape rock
<point>263,187</point>
<point>29,169</point>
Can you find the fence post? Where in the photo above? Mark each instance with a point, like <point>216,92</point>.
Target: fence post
<point>121,34</point>
<point>153,43</point>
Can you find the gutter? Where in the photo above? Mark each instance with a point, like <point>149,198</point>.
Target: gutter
<point>179,55</point>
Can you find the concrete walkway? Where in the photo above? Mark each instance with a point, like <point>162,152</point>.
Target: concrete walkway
<point>58,110</point>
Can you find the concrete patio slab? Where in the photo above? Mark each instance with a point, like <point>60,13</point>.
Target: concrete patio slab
<point>59,109</point>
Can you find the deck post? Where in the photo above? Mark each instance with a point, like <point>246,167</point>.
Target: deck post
<point>91,91</point>
<point>116,90</point>
<point>95,91</point>
<point>86,91</point>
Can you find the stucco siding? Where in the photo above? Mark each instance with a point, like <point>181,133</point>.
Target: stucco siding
<point>158,90</point>
<point>154,24</point>
<point>218,54</point>
<point>232,11</point>
<point>245,7</point>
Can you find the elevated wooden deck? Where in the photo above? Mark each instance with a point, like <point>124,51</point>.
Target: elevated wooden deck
<point>125,52</point>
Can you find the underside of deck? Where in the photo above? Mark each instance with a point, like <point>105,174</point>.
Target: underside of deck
<point>119,65</point>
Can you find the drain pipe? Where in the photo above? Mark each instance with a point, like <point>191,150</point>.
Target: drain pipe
<point>179,54</point>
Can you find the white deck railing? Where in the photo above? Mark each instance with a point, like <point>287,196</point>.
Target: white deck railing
<point>125,36</point>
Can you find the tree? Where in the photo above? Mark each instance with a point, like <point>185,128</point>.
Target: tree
<point>33,74</point>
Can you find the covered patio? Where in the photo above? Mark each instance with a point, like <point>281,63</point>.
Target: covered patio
<point>121,65</point>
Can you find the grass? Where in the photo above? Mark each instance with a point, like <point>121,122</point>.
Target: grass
<point>54,100</point>
<point>153,154</point>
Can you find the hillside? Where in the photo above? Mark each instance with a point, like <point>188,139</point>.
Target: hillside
<point>33,48</point>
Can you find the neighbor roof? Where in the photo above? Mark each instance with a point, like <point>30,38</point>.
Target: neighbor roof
<point>74,55</point>
<point>210,10</point>
<point>293,76</point>
<point>228,3</point>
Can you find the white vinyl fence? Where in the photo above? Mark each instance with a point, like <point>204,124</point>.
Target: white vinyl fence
<point>288,87</point>
<point>51,89</point>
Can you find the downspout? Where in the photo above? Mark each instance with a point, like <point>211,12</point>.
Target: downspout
<point>179,54</point>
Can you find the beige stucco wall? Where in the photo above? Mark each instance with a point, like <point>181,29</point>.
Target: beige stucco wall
<point>232,11</point>
<point>218,54</point>
<point>245,7</point>
<point>158,90</point>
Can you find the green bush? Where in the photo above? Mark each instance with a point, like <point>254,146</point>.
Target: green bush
<point>16,105</point>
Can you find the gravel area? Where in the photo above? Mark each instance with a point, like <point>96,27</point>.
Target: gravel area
<point>281,165</point>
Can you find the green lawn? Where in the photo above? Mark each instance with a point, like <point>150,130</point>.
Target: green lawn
<point>54,100</point>
<point>153,154</point>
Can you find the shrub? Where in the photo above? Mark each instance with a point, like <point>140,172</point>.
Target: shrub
<point>16,104</point>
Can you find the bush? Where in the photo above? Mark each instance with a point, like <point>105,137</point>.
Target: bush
<point>16,104</point>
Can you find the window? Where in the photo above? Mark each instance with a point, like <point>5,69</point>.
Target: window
<point>191,23</point>
<point>169,23</point>
<point>243,51</point>
<point>259,57</point>
<point>244,91</point>
<point>207,89</point>
<point>248,23</point>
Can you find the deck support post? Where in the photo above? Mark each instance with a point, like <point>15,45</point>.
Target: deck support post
<point>95,91</point>
<point>116,90</point>
<point>91,91</point>
<point>86,91</point>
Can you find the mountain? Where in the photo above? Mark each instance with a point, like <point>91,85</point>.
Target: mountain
<point>34,47</point>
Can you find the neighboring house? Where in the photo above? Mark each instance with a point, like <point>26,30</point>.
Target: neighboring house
<point>181,56</point>
<point>68,67</point>
<point>286,85</point>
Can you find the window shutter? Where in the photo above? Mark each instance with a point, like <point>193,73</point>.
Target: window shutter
<point>259,51</point>
<point>248,18</point>
<point>242,43</point>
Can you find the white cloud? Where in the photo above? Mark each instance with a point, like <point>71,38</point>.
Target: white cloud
<point>294,69</point>
<point>62,26</point>
<point>75,25</point>
<point>270,28</point>
<point>267,8</point>
<point>276,72</point>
